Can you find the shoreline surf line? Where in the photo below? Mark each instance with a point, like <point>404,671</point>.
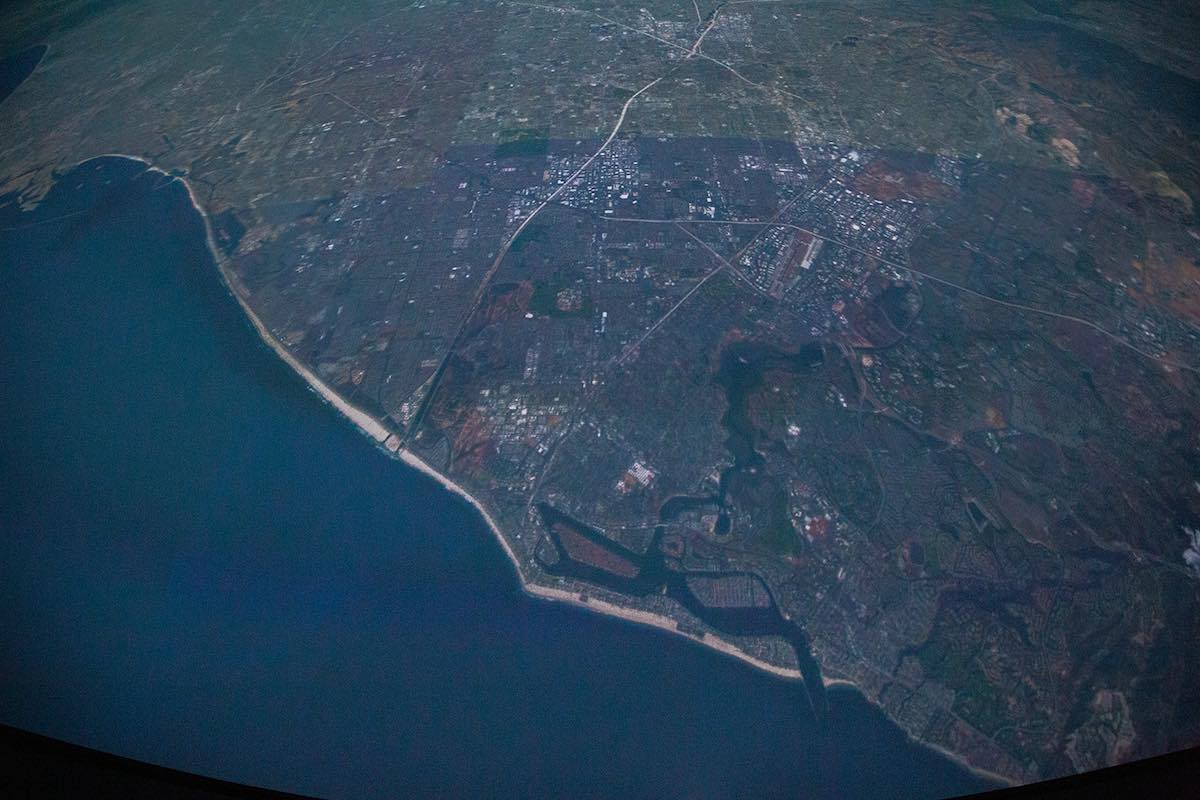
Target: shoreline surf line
<point>390,443</point>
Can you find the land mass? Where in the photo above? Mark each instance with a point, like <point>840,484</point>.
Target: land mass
<point>859,344</point>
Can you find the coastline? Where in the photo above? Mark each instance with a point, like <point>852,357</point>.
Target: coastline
<point>388,441</point>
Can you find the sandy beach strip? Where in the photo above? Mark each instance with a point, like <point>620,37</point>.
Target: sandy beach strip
<point>582,600</point>
<point>386,439</point>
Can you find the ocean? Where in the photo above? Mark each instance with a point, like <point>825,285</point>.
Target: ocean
<point>202,565</point>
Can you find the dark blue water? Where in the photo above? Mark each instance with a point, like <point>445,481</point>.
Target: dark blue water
<point>203,566</point>
<point>15,68</point>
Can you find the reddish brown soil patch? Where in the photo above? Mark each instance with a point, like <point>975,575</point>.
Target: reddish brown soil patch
<point>1083,192</point>
<point>885,180</point>
<point>509,302</point>
<point>1169,280</point>
<point>472,446</point>
<point>584,550</point>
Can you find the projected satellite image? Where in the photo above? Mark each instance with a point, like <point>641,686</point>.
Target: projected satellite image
<point>856,341</point>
